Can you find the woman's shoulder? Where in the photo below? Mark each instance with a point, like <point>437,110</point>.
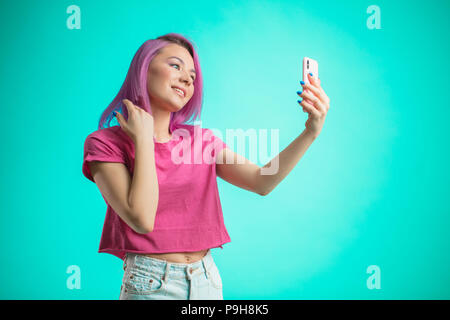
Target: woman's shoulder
<point>113,134</point>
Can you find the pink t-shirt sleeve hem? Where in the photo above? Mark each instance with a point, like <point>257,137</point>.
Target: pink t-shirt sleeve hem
<point>99,149</point>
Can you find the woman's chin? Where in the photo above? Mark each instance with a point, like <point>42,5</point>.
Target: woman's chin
<point>176,107</point>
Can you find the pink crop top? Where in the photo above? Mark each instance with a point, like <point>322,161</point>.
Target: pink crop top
<point>189,214</point>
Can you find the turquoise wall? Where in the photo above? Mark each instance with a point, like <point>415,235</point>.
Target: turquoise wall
<point>372,190</point>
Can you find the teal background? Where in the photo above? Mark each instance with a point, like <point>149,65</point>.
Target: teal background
<point>371,190</point>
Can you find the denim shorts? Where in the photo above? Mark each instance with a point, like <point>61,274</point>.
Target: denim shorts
<point>147,278</point>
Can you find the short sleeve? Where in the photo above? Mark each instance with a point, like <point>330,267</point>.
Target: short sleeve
<point>100,148</point>
<point>217,142</point>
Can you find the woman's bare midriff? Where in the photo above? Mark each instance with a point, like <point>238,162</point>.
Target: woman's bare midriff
<point>179,257</point>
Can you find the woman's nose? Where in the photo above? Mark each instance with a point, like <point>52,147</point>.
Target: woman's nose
<point>185,79</point>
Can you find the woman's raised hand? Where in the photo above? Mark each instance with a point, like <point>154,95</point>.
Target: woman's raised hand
<point>316,103</point>
<point>139,125</point>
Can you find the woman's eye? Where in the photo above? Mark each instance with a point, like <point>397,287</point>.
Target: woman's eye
<point>174,64</point>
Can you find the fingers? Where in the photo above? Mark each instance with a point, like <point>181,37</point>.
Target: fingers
<point>313,80</point>
<point>120,118</point>
<point>131,109</point>
<point>128,105</point>
<point>315,101</point>
<point>319,93</point>
<point>310,108</point>
<point>316,84</point>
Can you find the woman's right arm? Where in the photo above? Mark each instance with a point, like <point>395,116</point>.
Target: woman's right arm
<point>144,191</point>
<point>134,200</point>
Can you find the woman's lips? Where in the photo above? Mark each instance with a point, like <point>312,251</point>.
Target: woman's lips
<point>179,93</point>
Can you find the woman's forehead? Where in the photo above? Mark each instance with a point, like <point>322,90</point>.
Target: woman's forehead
<point>178,51</point>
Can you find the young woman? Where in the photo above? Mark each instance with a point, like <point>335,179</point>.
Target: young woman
<point>164,215</point>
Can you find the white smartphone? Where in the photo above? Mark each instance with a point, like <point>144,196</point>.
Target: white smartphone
<point>310,66</point>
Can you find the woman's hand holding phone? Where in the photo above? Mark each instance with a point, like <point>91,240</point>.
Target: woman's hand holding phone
<point>315,102</point>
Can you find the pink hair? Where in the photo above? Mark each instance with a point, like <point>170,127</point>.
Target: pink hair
<point>135,84</point>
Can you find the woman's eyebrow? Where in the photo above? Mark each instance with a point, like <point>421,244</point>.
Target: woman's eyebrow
<point>192,70</point>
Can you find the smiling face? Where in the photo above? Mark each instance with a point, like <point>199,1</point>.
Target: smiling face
<point>172,67</point>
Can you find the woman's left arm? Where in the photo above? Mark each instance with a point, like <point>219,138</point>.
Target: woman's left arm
<point>262,180</point>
